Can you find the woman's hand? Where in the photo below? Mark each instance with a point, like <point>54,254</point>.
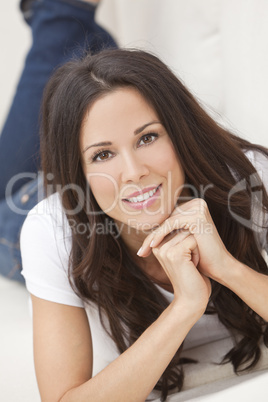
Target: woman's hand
<point>194,216</point>
<point>178,254</point>
<point>215,261</point>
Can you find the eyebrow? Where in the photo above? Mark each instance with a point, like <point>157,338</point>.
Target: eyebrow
<point>109,143</point>
<point>99,144</point>
<point>140,129</point>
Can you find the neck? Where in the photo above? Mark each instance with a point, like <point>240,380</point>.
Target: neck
<point>132,237</point>
<point>150,265</point>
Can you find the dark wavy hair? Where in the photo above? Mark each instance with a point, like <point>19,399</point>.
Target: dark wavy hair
<point>101,268</point>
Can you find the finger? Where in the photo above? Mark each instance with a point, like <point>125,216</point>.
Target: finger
<point>190,215</point>
<point>195,256</point>
<point>175,237</point>
<point>145,250</point>
<point>190,243</point>
<point>166,228</point>
<point>172,238</point>
<point>171,224</point>
<point>187,208</point>
<point>192,207</point>
<point>185,250</point>
<point>174,255</point>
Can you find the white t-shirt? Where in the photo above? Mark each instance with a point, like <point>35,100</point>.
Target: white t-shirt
<point>45,247</point>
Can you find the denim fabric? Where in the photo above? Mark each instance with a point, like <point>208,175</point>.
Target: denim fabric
<point>61,30</point>
<point>13,211</point>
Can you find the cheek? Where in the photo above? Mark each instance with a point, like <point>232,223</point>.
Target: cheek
<point>167,162</point>
<point>104,189</point>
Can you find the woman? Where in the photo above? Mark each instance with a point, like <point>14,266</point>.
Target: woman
<point>155,230</point>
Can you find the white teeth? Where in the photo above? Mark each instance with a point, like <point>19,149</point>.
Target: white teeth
<point>146,196</point>
<point>143,197</point>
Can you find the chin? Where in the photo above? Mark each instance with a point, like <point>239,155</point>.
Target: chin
<point>147,225</point>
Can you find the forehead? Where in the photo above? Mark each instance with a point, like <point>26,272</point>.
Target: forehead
<point>120,111</point>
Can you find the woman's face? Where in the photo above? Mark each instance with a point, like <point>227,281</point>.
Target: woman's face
<point>129,160</point>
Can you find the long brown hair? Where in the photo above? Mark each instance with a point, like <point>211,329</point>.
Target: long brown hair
<point>101,267</point>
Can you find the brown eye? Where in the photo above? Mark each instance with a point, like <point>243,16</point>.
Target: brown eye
<point>102,156</point>
<point>147,139</point>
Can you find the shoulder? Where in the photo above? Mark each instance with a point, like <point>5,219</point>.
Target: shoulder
<point>45,249</point>
<point>46,224</point>
<point>47,212</point>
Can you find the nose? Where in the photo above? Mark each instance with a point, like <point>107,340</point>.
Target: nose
<point>133,168</point>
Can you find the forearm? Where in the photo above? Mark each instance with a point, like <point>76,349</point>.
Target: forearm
<point>133,375</point>
<point>249,285</point>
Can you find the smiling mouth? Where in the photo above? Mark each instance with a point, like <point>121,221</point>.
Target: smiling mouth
<point>142,197</point>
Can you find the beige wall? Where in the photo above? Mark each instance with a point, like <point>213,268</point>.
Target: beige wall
<point>15,39</point>
<point>218,47</point>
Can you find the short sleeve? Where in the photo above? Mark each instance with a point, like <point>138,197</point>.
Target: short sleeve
<point>45,248</point>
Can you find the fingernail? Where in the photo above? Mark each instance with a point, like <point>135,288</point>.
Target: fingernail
<point>152,243</point>
<point>139,251</point>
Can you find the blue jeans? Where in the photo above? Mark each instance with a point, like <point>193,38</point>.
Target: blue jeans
<point>13,211</point>
<point>61,30</point>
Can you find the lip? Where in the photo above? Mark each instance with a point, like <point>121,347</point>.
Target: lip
<point>143,191</point>
<point>146,203</point>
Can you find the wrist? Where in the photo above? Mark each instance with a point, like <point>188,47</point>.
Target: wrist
<point>187,311</point>
<point>230,273</point>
